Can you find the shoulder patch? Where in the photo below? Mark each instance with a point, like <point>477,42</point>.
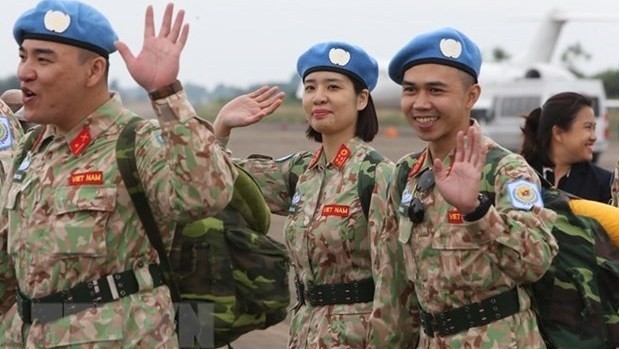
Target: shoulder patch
<point>524,195</point>
<point>6,137</point>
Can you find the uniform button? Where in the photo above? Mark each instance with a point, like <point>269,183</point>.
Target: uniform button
<point>140,264</point>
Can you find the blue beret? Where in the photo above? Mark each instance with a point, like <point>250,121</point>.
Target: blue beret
<point>342,58</point>
<point>68,22</point>
<point>446,46</point>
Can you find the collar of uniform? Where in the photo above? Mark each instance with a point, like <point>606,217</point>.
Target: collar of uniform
<point>96,123</point>
<point>423,162</point>
<point>346,151</point>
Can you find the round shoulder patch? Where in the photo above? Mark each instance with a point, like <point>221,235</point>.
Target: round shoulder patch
<point>6,138</point>
<point>524,195</point>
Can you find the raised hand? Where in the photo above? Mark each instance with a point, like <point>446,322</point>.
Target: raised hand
<point>459,184</point>
<point>247,109</point>
<point>157,65</point>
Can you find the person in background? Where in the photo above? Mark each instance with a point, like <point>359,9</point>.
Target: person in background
<point>558,143</point>
<point>13,98</point>
<point>470,215</point>
<point>75,262</point>
<point>614,188</point>
<point>347,297</point>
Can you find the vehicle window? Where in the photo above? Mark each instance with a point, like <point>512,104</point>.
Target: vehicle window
<point>518,105</point>
<point>595,103</point>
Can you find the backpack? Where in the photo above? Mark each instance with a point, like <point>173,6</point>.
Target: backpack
<point>577,300</point>
<point>226,260</point>
<point>365,183</point>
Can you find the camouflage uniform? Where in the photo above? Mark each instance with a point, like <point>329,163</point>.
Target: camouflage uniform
<point>614,188</point>
<point>10,133</point>
<point>453,263</point>
<point>70,220</point>
<point>331,242</point>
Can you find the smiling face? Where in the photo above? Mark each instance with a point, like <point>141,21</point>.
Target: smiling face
<point>575,144</point>
<point>56,81</point>
<point>331,104</point>
<point>436,101</point>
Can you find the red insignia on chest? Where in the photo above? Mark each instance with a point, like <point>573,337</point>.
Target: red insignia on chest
<point>342,155</point>
<point>93,177</point>
<point>315,158</point>
<point>417,166</point>
<point>454,216</point>
<point>79,143</point>
<point>336,210</point>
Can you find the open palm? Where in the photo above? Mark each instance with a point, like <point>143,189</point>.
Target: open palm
<point>157,65</point>
<point>459,184</point>
<point>250,108</point>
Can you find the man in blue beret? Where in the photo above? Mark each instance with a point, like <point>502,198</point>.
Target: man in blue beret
<point>471,220</point>
<point>76,265</point>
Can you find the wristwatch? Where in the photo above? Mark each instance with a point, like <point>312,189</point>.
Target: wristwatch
<point>480,210</point>
<point>165,91</point>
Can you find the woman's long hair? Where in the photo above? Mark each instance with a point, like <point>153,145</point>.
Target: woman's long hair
<point>559,110</point>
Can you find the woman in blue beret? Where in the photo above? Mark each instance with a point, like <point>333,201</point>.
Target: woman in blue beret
<point>334,200</point>
<point>558,143</point>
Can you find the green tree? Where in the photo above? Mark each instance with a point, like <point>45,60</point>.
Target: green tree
<point>499,54</point>
<point>610,78</point>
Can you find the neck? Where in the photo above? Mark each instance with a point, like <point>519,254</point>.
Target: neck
<point>561,169</point>
<point>86,106</point>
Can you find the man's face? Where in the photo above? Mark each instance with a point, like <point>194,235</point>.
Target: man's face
<point>436,101</point>
<point>52,79</point>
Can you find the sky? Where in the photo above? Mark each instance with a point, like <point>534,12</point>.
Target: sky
<point>246,42</point>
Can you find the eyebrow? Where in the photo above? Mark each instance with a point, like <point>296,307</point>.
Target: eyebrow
<point>430,84</point>
<point>39,51</point>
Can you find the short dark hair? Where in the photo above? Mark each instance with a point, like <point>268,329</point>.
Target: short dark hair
<point>559,110</point>
<point>85,55</point>
<point>367,119</point>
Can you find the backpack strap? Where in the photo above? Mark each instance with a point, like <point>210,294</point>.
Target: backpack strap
<point>127,165</point>
<point>402,170</point>
<point>366,180</point>
<point>365,183</point>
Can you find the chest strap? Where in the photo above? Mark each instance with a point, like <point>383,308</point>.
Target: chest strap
<point>82,296</point>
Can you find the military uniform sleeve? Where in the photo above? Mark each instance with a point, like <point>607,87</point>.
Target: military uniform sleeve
<point>186,174</point>
<point>394,322</point>
<point>275,177</point>
<point>520,239</point>
<point>8,280</point>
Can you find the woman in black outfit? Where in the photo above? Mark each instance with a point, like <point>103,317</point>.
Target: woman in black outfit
<point>558,143</point>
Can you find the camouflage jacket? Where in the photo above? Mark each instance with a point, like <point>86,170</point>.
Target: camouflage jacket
<point>330,241</point>
<point>10,133</point>
<point>614,187</point>
<point>452,262</point>
<point>67,218</point>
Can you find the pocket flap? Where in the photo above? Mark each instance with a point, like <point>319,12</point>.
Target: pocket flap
<point>85,198</point>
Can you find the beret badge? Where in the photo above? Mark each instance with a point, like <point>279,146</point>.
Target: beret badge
<point>339,56</point>
<point>56,21</point>
<point>451,48</point>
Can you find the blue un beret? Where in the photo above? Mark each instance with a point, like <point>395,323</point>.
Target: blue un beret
<point>67,22</point>
<point>446,46</point>
<point>342,58</point>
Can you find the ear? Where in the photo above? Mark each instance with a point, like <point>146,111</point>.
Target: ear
<point>557,134</point>
<point>362,99</point>
<point>472,95</point>
<point>96,71</point>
